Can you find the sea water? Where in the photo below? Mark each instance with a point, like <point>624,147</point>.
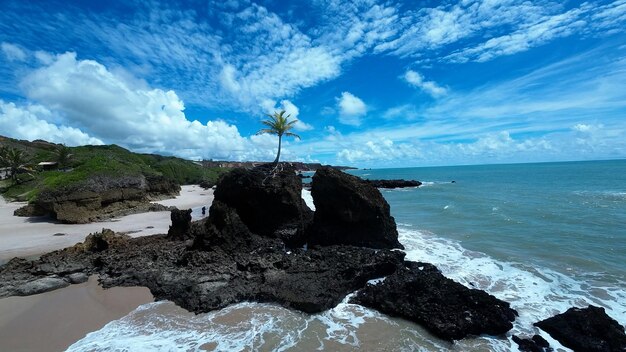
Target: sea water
<point>544,237</point>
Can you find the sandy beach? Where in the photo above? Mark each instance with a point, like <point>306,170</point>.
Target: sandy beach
<point>24,237</point>
<point>54,320</point>
<point>64,316</point>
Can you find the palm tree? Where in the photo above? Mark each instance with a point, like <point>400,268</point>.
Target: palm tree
<point>63,156</point>
<point>279,125</point>
<point>15,160</point>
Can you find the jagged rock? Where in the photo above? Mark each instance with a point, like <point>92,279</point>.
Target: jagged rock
<point>268,202</point>
<point>419,292</point>
<point>536,344</point>
<point>223,227</point>
<point>394,183</point>
<point>348,210</point>
<point>181,223</point>
<point>78,278</point>
<point>586,329</point>
<point>100,241</point>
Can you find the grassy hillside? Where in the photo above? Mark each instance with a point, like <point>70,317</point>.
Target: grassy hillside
<point>88,161</point>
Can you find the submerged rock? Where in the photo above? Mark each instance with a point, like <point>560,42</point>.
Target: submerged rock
<point>394,183</point>
<point>349,210</point>
<point>586,329</point>
<point>535,344</point>
<point>420,293</point>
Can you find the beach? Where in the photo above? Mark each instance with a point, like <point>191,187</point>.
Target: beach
<point>64,316</point>
<point>28,237</point>
<point>61,317</point>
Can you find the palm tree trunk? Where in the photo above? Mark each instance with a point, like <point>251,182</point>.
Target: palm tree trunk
<point>280,140</point>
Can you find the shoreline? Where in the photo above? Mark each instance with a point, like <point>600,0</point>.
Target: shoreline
<point>30,237</point>
<point>62,317</point>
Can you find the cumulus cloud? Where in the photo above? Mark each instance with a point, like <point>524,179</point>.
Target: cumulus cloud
<point>415,79</point>
<point>116,110</point>
<point>13,52</point>
<point>31,122</point>
<point>351,109</point>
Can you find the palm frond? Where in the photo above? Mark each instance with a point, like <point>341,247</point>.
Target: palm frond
<point>290,134</point>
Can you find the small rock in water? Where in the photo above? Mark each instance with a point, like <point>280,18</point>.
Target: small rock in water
<point>59,234</point>
<point>536,344</point>
<point>586,329</point>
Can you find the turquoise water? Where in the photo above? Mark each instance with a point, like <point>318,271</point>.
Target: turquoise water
<point>570,217</point>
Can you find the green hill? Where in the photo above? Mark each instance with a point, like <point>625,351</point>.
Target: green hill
<point>88,161</point>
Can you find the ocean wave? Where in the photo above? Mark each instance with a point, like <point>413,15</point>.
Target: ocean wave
<point>536,293</point>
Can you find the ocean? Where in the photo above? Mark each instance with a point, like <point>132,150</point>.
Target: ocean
<point>544,237</point>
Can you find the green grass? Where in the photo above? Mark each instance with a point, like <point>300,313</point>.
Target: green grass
<point>111,160</point>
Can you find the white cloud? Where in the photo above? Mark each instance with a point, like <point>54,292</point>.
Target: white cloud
<point>228,79</point>
<point>404,112</point>
<point>30,123</point>
<point>114,110</point>
<point>13,52</point>
<point>417,80</point>
<point>351,109</point>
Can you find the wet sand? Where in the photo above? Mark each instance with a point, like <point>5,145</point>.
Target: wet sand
<point>23,237</point>
<point>54,320</point>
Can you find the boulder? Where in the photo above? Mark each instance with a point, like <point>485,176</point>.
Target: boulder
<point>100,241</point>
<point>181,223</point>
<point>535,344</point>
<point>394,183</point>
<point>586,329</point>
<point>349,210</point>
<point>420,293</point>
<point>41,285</point>
<point>268,201</point>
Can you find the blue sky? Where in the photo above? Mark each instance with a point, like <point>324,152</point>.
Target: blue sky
<point>373,83</point>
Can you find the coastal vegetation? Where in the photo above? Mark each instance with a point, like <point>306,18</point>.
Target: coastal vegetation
<point>279,125</point>
<point>52,166</point>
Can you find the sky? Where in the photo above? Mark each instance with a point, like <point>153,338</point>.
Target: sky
<point>372,83</point>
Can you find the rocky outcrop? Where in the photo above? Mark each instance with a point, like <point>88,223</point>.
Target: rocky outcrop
<point>269,202</point>
<point>348,210</point>
<point>394,183</point>
<point>101,198</point>
<point>534,344</point>
<point>420,293</point>
<point>586,329</point>
<point>257,269</point>
<point>181,223</point>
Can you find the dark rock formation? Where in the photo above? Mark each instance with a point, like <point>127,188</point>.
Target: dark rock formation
<point>348,210</point>
<point>394,183</point>
<point>181,223</point>
<point>536,344</point>
<point>419,292</point>
<point>257,269</point>
<point>586,329</point>
<point>206,184</point>
<point>268,202</point>
<point>101,198</point>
